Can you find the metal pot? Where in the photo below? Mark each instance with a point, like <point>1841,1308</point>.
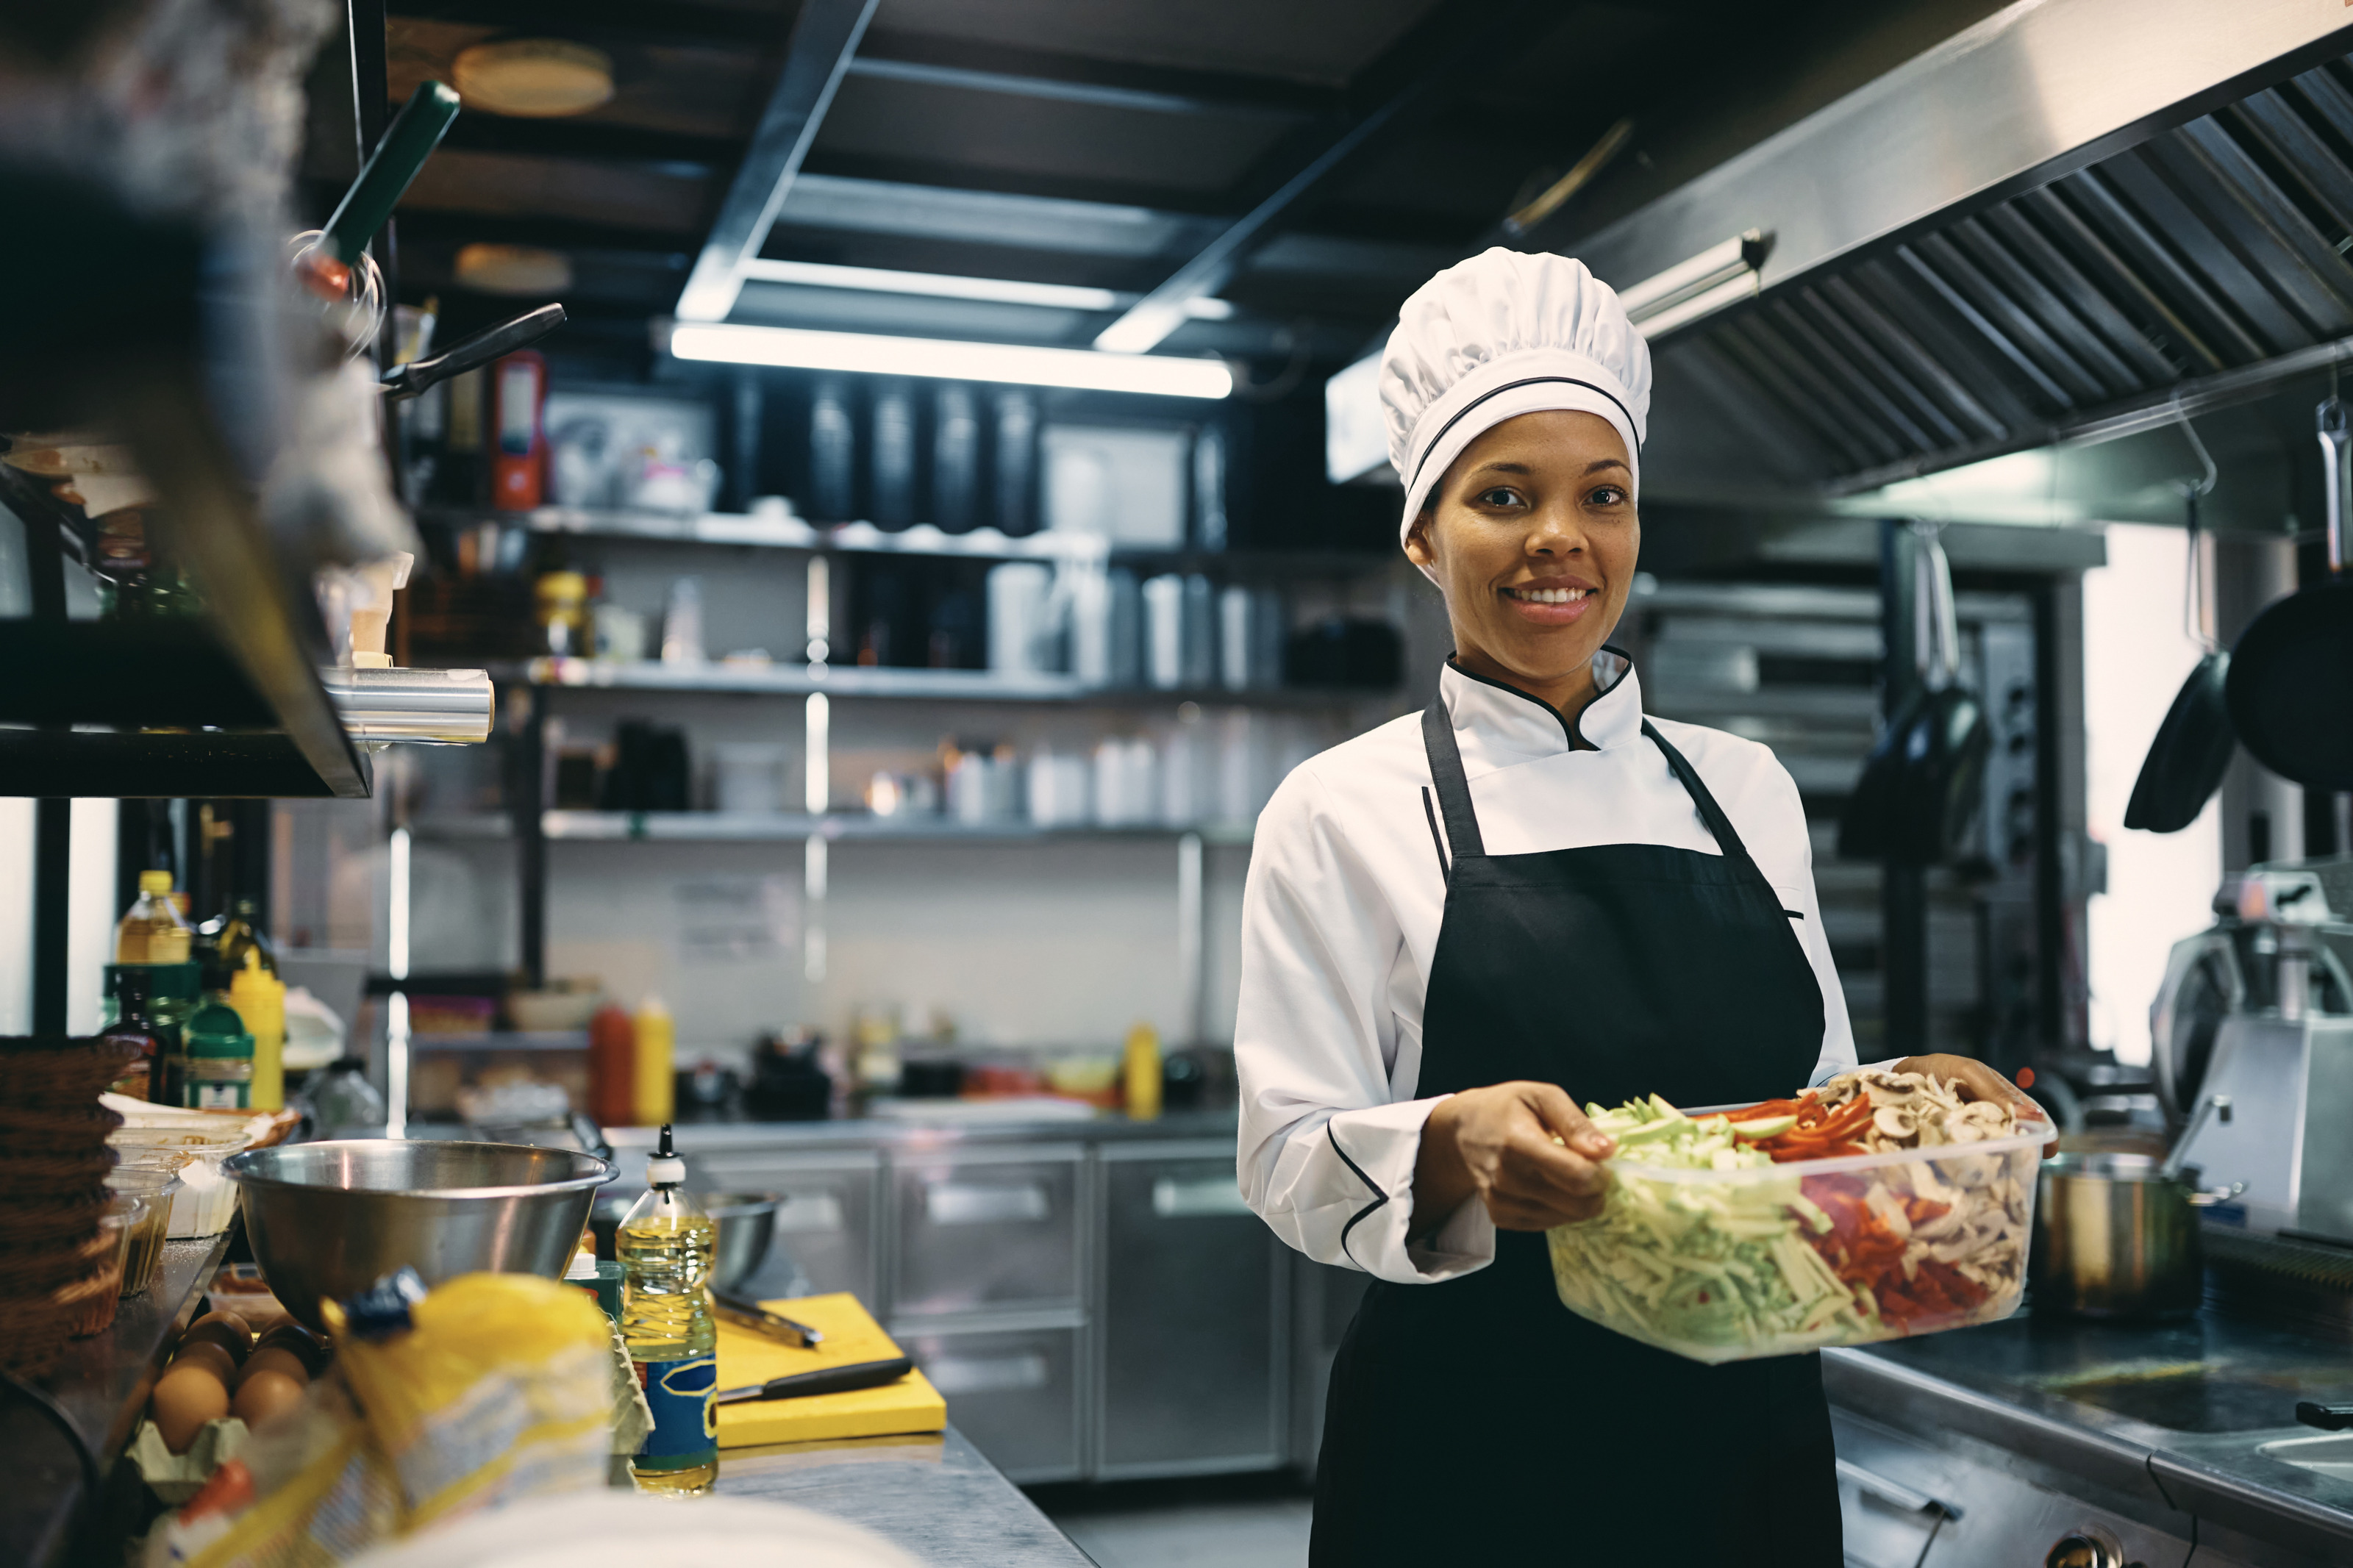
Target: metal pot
<point>2115,1237</point>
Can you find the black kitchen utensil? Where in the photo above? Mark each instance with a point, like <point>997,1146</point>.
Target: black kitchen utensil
<point>824,1380</point>
<point>2328,1417</point>
<point>2194,745</point>
<point>1923,780</point>
<point>491,342</point>
<point>746,1312</point>
<point>2291,682</point>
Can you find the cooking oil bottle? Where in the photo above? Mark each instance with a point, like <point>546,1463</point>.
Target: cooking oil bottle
<point>665,1245</point>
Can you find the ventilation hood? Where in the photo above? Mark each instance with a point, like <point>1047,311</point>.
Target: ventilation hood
<point>2062,224</point>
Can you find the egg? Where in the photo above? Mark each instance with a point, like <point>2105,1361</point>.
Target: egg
<point>275,1361</point>
<point>210,1355</point>
<point>264,1394</point>
<point>227,1330</point>
<point>190,1393</point>
<point>302,1342</point>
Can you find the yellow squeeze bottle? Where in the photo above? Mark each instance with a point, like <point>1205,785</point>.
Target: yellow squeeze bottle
<point>259,998</point>
<point>1144,1070</point>
<point>652,1085</point>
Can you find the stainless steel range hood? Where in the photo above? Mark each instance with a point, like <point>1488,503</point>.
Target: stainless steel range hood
<point>2049,227</point>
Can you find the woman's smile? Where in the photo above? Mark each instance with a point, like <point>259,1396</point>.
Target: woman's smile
<point>1550,603</point>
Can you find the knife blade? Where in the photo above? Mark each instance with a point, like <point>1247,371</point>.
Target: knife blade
<point>750,1314</point>
<point>824,1380</point>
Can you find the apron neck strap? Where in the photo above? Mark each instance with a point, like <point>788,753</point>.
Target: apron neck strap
<point>1726,839</point>
<point>1446,772</point>
<point>1463,823</point>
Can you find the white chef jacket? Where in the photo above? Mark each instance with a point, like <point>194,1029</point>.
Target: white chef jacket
<point>1340,921</point>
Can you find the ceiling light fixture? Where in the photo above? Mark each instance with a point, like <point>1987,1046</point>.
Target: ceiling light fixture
<point>533,78</point>
<point>1719,276</point>
<point>949,285</point>
<point>519,270</point>
<point>796,348</point>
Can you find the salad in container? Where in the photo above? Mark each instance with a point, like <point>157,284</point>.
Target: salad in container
<point>1879,1206</point>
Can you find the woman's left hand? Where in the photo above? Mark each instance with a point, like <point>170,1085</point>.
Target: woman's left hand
<point>1978,1081</point>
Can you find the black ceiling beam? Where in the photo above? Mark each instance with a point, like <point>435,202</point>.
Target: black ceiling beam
<point>1432,53</point>
<point>667,151</point>
<point>626,22</point>
<point>933,61</point>
<point>824,38</point>
<point>461,225</point>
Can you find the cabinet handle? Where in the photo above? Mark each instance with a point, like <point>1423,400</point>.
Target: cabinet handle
<point>807,1213</point>
<point>1197,1199</point>
<point>971,1203</point>
<point>1896,1492</point>
<point>953,1375</point>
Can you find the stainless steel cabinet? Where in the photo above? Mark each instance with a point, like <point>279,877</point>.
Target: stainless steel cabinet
<point>988,1230</point>
<point>1019,1393</point>
<point>1194,1329</point>
<point>828,1224</point>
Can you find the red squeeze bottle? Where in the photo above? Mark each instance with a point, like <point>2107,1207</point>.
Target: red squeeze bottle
<point>612,1066</point>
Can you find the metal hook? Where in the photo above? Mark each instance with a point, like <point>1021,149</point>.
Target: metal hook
<point>2205,486</point>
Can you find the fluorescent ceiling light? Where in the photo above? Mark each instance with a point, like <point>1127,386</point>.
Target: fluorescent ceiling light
<point>1158,375</point>
<point>949,286</point>
<point>880,281</point>
<point>1719,276</point>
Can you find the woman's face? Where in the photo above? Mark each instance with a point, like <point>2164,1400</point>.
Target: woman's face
<point>1532,535</point>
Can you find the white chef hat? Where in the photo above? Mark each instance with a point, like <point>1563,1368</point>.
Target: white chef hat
<point>1503,334</point>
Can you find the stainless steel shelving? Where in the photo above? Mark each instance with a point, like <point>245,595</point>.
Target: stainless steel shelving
<point>719,827</point>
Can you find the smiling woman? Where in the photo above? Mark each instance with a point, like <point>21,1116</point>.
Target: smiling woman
<point>1532,535</point>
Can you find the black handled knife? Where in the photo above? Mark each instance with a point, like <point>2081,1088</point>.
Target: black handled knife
<point>824,1380</point>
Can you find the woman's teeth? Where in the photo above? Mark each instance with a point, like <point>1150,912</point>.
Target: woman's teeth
<point>1548,595</point>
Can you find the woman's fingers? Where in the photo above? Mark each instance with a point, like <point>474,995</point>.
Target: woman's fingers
<point>1562,1120</point>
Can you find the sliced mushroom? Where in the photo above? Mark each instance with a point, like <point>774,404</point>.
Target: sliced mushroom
<point>1896,1123</point>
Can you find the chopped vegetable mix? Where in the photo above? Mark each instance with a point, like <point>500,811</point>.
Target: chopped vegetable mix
<point>1769,1258</point>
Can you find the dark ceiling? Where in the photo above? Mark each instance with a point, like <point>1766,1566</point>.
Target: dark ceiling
<point>1099,143</point>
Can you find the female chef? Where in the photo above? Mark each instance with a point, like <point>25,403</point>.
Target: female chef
<point>1464,925</point>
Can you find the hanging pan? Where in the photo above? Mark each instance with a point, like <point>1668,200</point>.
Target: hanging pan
<point>2194,745</point>
<point>2291,681</point>
<point>1922,785</point>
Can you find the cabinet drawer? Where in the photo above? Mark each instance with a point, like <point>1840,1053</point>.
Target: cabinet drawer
<point>983,1232</point>
<point>826,1224</point>
<point>1194,1330</point>
<point>1015,1393</point>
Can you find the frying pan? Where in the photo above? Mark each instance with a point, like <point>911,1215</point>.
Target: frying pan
<point>2194,745</point>
<point>1921,786</point>
<point>2291,682</point>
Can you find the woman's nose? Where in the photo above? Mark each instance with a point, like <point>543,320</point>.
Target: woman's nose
<point>1556,530</point>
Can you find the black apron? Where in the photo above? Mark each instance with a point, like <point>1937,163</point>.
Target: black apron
<point>1480,1421</point>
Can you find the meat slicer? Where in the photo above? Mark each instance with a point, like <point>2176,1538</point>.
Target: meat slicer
<point>2252,1032</point>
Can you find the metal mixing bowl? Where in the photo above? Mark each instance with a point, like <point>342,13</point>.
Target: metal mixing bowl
<point>746,1221</point>
<point>330,1219</point>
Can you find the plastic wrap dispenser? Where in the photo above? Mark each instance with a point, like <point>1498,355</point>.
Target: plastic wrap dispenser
<point>425,707</point>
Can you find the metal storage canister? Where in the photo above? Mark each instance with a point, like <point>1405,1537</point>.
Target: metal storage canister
<point>2115,1237</point>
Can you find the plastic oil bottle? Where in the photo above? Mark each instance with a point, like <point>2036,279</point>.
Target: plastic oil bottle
<point>151,930</point>
<point>665,1246</point>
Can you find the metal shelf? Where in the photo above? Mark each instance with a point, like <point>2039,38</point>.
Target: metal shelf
<point>428,1045</point>
<point>717,826</point>
<point>788,532</point>
<point>918,685</point>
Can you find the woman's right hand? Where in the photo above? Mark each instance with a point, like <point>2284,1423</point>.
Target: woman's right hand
<point>1524,1150</point>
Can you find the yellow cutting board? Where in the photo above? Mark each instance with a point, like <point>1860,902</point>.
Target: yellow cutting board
<point>910,1405</point>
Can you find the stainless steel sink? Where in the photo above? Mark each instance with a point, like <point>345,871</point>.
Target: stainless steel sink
<point>2330,1456</point>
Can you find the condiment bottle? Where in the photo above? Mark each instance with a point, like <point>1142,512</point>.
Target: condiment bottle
<point>259,999</point>
<point>665,1245</point>
<point>1143,1073</point>
<point>151,930</point>
<point>126,988</point>
<point>652,1087</point>
<point>612,1066</point>
<point>218,1054</point>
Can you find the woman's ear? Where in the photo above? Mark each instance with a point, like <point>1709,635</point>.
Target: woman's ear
<point>1417,540</point>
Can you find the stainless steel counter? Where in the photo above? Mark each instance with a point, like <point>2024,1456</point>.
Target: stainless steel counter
<point>935,1497</point>
<point>2162,1423</point>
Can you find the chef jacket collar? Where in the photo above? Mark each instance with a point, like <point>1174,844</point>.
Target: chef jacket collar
<point>1498,725</point>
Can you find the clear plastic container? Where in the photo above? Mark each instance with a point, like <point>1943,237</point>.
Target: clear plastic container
<point>206,1200</point>
<point>151,1192</point>
<point>1729,1264</point>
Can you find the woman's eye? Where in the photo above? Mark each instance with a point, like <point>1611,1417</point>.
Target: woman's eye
<point>1500,496</point>
<point>1609,495</point>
